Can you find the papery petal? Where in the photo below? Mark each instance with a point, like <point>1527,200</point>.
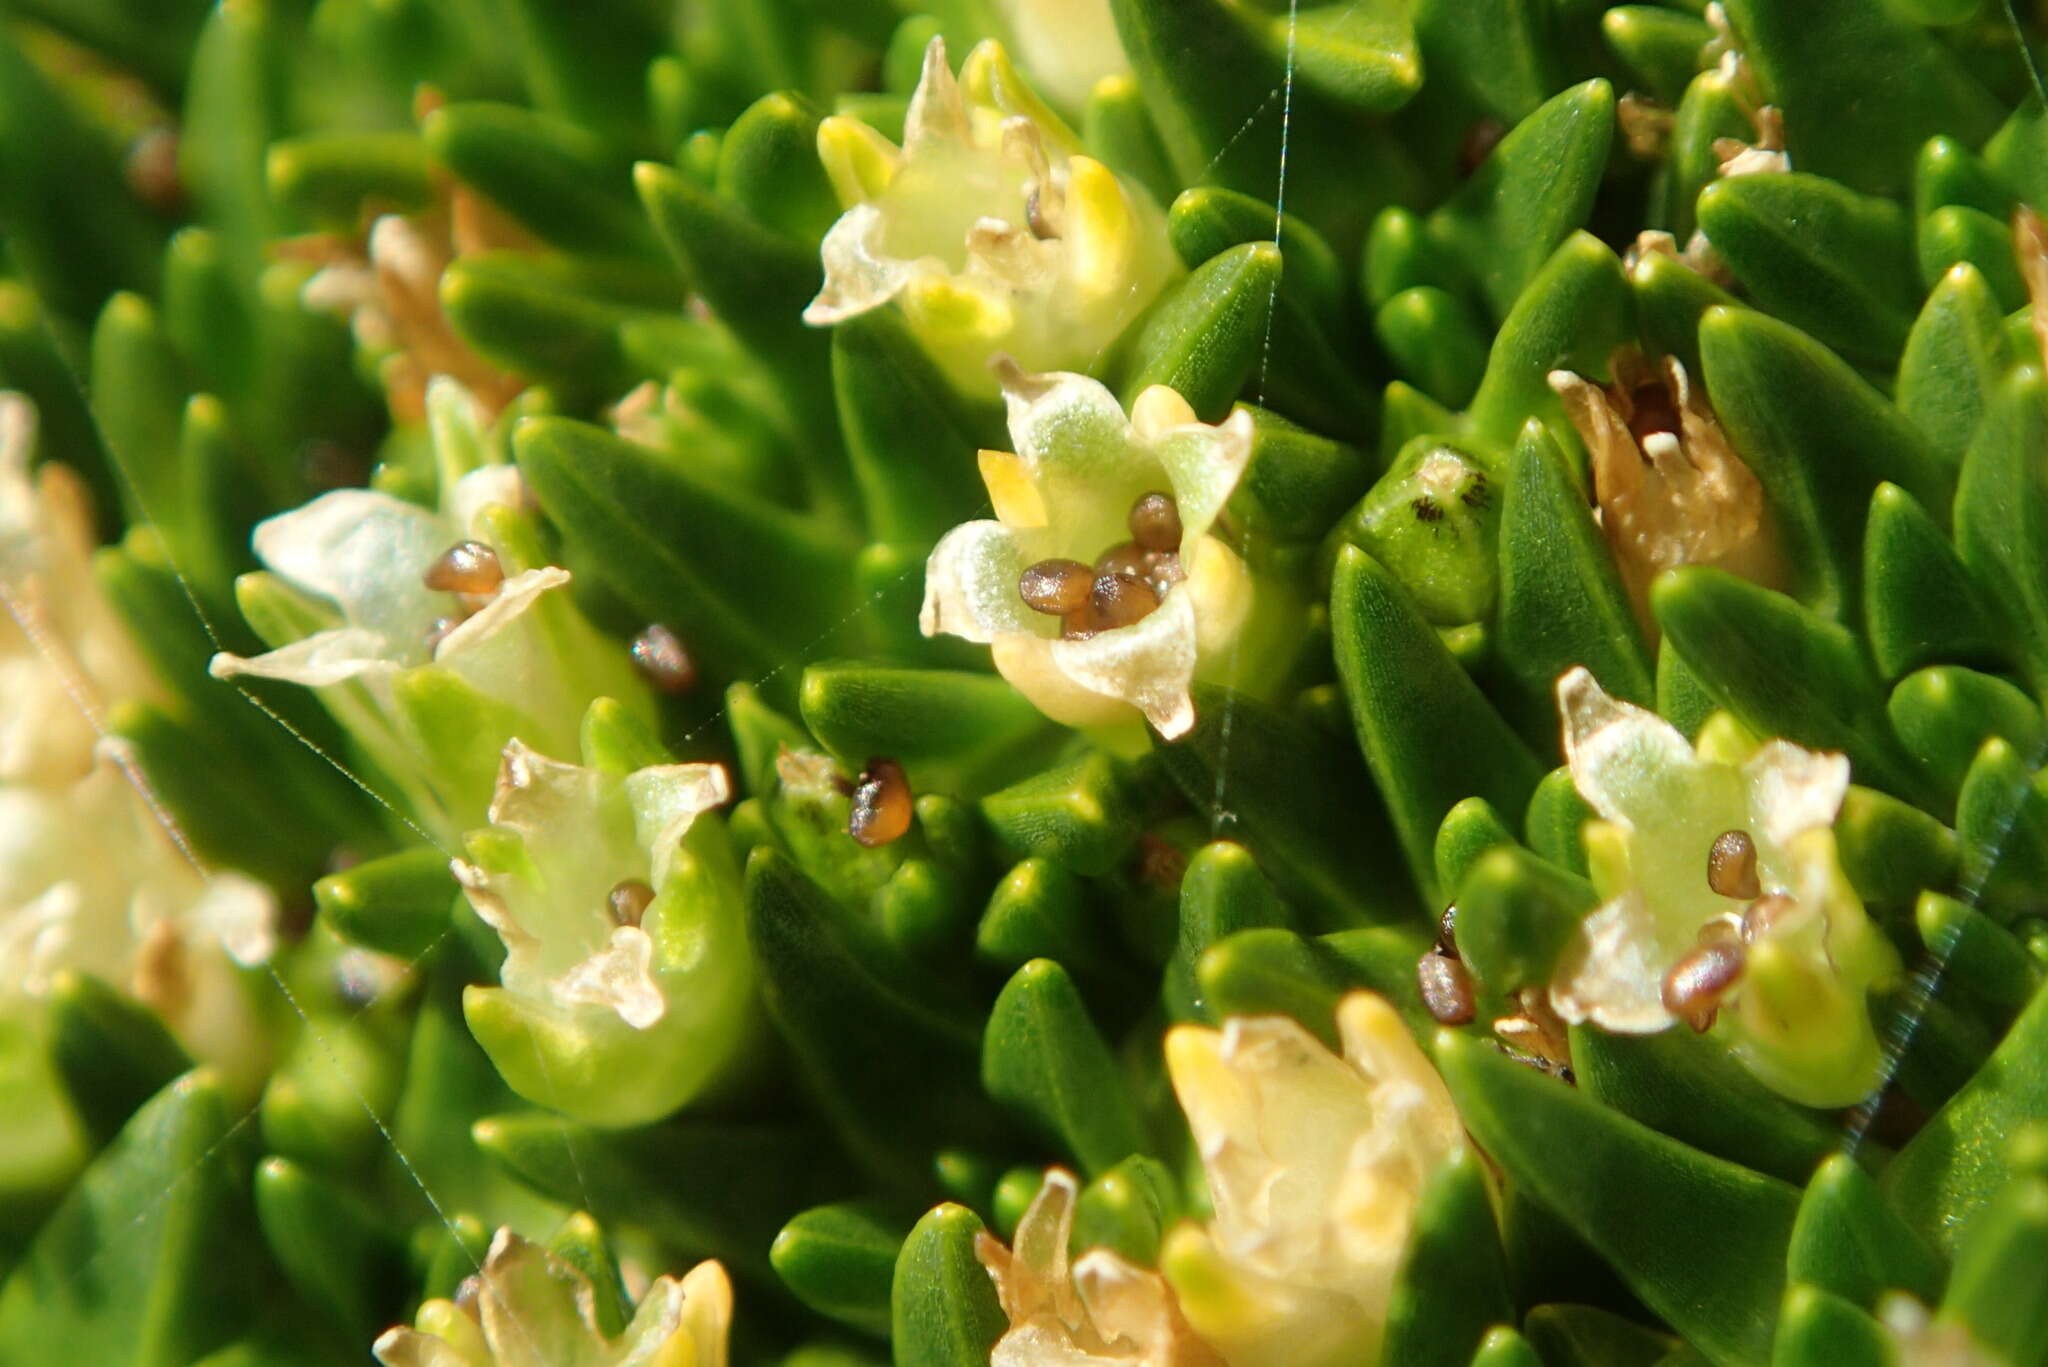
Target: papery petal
<point>1072,434</point>
<point>707,1313</point>
<point>859,273</point>
<point>937,115</point>
<point>485,487</point>
<point>1792,789</point>
<point>1026,662</point>
<point>619,977</point>
<point>667,799</point>
<point>364,551</point>
<point>1613,973</point>
<point>241,914</point>
<point>403,1347</point>
<point>324,658</point>
<point>513,598</point>
<point>1205,464</point>
<point>537,1310</point>
<point>1623,758</point>
<point>970,586</point>
<point>1149,664</point>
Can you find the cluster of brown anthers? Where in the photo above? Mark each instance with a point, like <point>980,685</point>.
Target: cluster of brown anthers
<point>1127,582</point>
<point>1699,982</point>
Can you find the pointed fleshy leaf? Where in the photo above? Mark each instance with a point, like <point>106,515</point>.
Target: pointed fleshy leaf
<point>952,731</point>
<point>1434,341</point>
<point>1955,357</point>
<point>1430,738</point>
<point>1575,1156</point>
<point>942,1306</point>
<point>1954,236</point>
<point>1561,599</point>
<point>881,1064</point>
<point>2002,823</point>
<point>1277,972</point>
<point>1920,605</point>
<point>1042,910</point>
<point>768,164</point>
<point>1503,1347</point>
<point>1785,671</point>
<point>1848,1241</point>
<point>1693,1090</point>
<point>326,179</point>
<point>1298,481</point>
<point>1206,221</point>
<point>1818,1328</point>
<point>1820,256</point>
<point>397,904</point>
<point>840,1260</point>
<point>1042,1056</point>
<point>1984,958</point>
<point>1127,1209</point>
<point>336,1251</point>
<point>1861,87</point>
<point>2001,514</point>
<point>1222,892</point>
<point>1588,1336</point>
<point>1819,439</point>
<point>1662,46</point>
<point>1083,813</point>
<point>111,1052</point>
<point>1203,337</point>
<point>1555,821</point>
<point>1945,1178</point>
<point>1529,195</point>
<point>1517,914</point>
<point>1468,831</point>
<point>143,1264</point>
<point>1576,310</point>
<point>1987,1293</point>
<point>1890,849</point>
<point>1452,1284</point>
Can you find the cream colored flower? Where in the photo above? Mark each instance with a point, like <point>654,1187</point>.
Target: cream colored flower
<point>93,875</point>
<point>989,226</point>
<point>1068,494</point>
<point>1721,863</point>
<point>1095,1311</point>
<point>1671,490</point>
<point>356,564</point>
<point>1315,1164</point>
<point>626,987</point>
<point>1918,1339</point>
<point>528,1308</point>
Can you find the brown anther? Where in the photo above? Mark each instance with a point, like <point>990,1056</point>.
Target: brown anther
<point>1446,988</point>
<point>1537,1033</point>
<point>438,632</point>
<point>1121,599</point>
<point>151,169</point>
<point>629,900</point>
<point>1765,912</point>
<point>663,661</point>
<point>1035,217</point>
<point>468,567</point>
<point>882,806</point>
<point>1652,409</point>
<point>1155,522</point>
<point>1478,143</point>
<point>1697,983</point>
<point>1160,862</point>
<point>1731,866</point>
<point>1447,931</point>
<point>1163,570</point>
<point>1125,557</point>
<point>1056,587</point>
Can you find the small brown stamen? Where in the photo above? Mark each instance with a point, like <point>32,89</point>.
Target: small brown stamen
<point>662,658</point>
<point>629,900</point>
<point>1125,557</point>
<point>1760,916</point>
<point>1056,587</point>
<point>1447,931</point>
<point>1698,982</point>
<point>882,805</point>
<point>1121,599</point>
<point>1446,988</point>
<point>1035,217</point>
<point>1155,522</point>
<point>1163,570</point>
<point>438,631</point>
<point>1731,866</point>
<point>467,567</point>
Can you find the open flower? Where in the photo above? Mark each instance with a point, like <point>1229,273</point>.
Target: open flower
<point>393,609</point>
<point>1100,585</point>
<point>989,226</point>
<point>626,988</point>
<point>1671,490</point>
<point>1725,904</point>
<point>1098,1309</point>
<point>93,878</point>
<point>528,1308</point>
<point>1315,1164</point>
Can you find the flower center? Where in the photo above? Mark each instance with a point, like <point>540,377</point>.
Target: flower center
<point>1127,582</point>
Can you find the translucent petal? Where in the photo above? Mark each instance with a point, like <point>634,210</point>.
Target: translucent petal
<point>324,658</point>
<point>1624,760</point>
<point>1613,975</point>
<point>970,586</point>
<point>1149,664</point>
<point>364,551</point>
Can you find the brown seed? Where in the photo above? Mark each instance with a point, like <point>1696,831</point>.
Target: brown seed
<point>882,806</point>
<point>1125,557</point>
<point>1057,587</point>
<point>1697,983</point>
<point>1446,988</point>
<point>1731,866</point>
<point>1765,912</point>
<point>629,900</point>
<point>465,567</point>
<point>1121,599</point>
<point>1155,522</point>
<point>661,657</point>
